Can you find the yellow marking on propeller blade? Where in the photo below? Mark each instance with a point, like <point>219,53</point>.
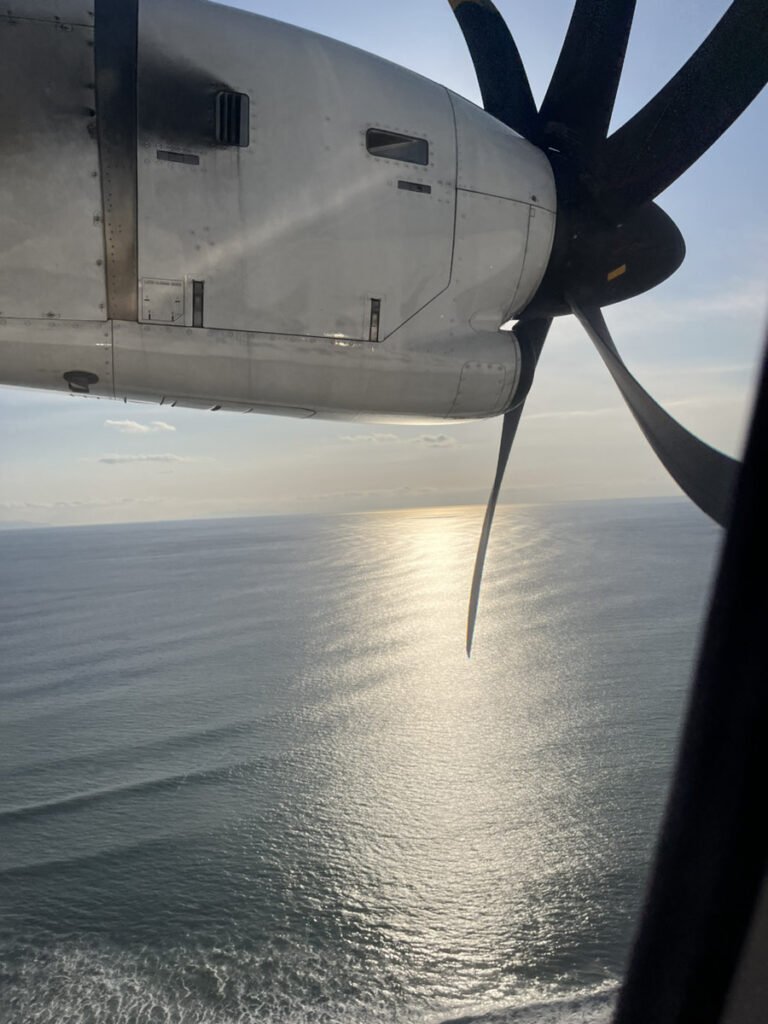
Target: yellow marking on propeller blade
<point>617,272</point>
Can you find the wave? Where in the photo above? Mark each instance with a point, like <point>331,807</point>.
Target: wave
<point>141,787</point>
<point>593,1006</point>
<point>104,984</point>
<point>120,753</point>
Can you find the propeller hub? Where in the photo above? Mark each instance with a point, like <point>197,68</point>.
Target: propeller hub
<point>601,259</point>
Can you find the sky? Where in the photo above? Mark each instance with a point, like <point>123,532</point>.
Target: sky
<point>695,342</point>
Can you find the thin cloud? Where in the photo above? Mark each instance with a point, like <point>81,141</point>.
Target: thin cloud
<point>651,312</point>
<point>48,506</point>
<point>369,438</point>
<point>118,460</point>
<point>742,298</point>
<point>435,440</point>
<point>697,402</point>
<point>432,440</point>
<point>720,371</point>
<point>566,414</point>
<point>132,427</point>
<point>387,492</point>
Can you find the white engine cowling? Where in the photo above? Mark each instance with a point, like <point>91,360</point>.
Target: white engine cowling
<point>295,225</point>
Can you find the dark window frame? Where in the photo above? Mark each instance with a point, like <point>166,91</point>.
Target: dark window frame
<point>419,147</point>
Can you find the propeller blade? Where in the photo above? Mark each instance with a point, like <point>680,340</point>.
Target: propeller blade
<point>530,335</point>
<point>706,475</point>
<point>508,431</point>
<point>579,102</point>
<point>693,109</point>
<point>500,73</point>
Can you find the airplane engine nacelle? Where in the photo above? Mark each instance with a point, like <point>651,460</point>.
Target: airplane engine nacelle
<point>204,206</point>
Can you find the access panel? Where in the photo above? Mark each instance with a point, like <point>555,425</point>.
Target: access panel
<point>337,217</point>
<point>51,231</point>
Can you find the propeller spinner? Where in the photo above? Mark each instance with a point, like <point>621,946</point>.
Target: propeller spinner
<point>612,241</point>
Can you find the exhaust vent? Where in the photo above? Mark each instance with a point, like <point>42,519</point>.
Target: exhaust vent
<point>232,119</point>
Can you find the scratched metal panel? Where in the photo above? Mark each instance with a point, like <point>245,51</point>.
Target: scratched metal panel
<point>491,240</point>
<point>38,354</point>
<point>51,235</point>
<point>495,160</point>
<point>71,12</point>
<point>541,234</point>
<point>481,390</point>
<point>116,40</point>
<point>298,232</point>
<point>338,380</point>
<point>162,301</point>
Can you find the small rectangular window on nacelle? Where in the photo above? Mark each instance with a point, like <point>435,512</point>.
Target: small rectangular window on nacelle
<point>393,146</point>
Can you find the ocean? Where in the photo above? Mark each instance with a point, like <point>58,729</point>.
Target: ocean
<point>247,773</point>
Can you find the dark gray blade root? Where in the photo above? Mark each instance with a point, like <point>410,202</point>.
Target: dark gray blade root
<point>691,112</point>
<point>707,476</point>
<point>500,73</point>
<point>577,109</point>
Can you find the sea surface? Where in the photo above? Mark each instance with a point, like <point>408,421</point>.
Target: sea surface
<point>247,773</point>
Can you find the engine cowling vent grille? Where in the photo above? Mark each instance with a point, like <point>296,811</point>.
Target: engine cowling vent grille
<point>232,119</point>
